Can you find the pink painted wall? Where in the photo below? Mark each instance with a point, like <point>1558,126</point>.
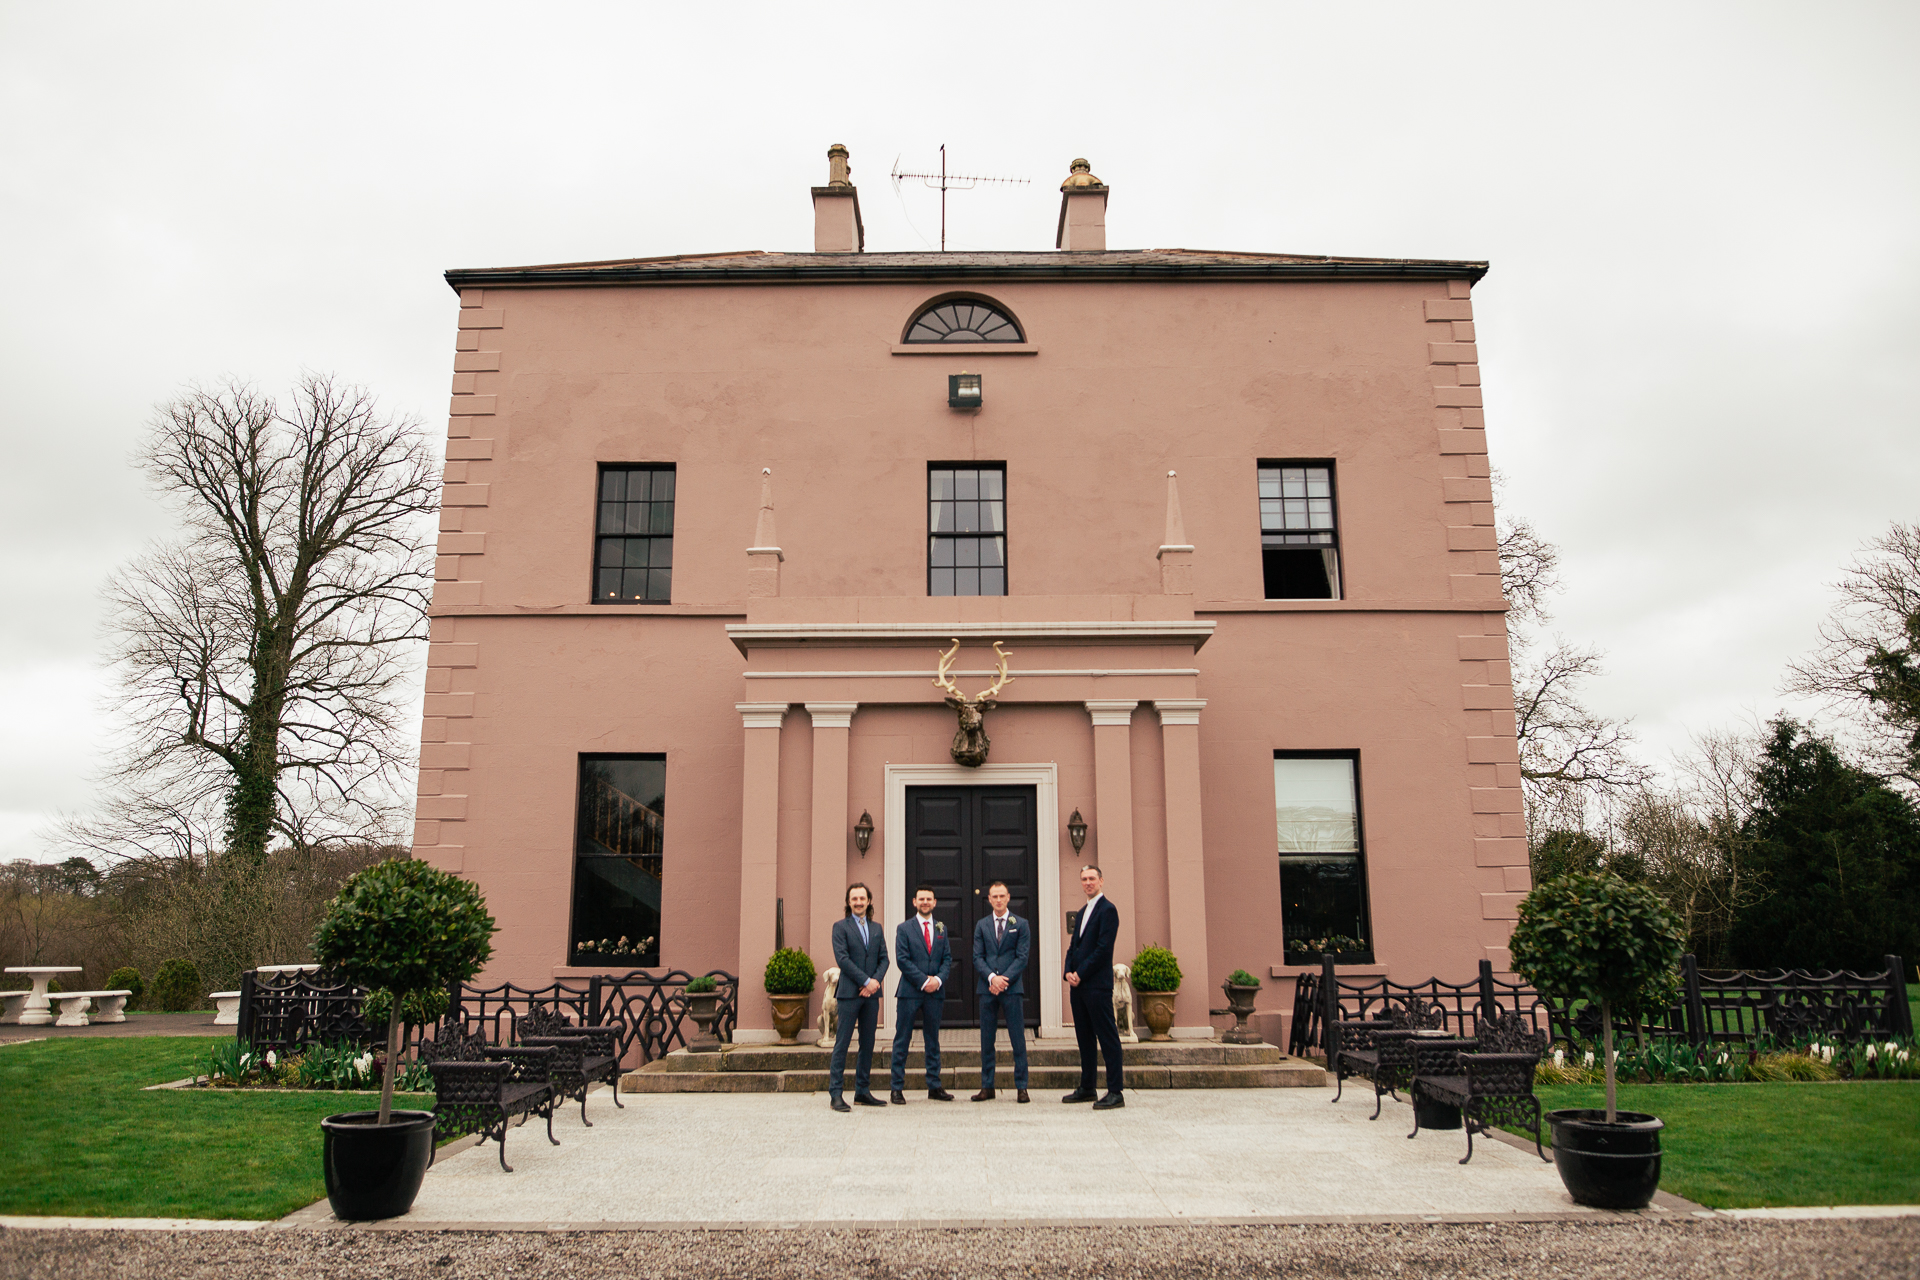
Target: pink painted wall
<point>1130,380</point>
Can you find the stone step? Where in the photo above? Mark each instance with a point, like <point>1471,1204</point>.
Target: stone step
<point>763,1058</point>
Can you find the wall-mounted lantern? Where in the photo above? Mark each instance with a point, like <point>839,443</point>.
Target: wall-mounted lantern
<point>963,390</point>
<point>863,832</point>
<point>1077,831</point>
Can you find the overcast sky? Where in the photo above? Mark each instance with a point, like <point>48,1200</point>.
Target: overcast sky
<point>1698,337</point>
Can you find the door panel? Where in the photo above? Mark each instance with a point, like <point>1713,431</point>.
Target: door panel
<point>959,840</point>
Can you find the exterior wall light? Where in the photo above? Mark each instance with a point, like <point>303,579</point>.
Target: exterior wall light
<point>1077,831</point>
<point>863,832</point>
<point>963,390</point>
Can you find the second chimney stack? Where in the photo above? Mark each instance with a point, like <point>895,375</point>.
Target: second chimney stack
<point>836,208</point>
<point>1083,211</point>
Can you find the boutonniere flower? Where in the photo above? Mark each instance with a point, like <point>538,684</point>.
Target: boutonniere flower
<point>939,930</point>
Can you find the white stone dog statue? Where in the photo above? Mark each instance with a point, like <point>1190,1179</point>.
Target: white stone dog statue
<point>829,1008</point>
<point>1123,1004</point>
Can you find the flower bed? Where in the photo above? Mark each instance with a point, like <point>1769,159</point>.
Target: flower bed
<point>1662,1062</point>
<point>232,1065</point>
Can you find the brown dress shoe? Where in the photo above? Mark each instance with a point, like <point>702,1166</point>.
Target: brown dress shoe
<point>939,1095</point>
<point>985,1095</point>
<point>1023,1097</point>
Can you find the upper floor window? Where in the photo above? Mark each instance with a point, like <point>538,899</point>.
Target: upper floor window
<point>967,529</point>
<point>1299,544</point>
<point>964,320</point>
<point>633,538</point>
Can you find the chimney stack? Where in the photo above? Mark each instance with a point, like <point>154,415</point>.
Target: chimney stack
<point>836,208</point>
<point>1083,211</point>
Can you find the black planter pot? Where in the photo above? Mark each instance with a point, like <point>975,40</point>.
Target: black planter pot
<point>1608,1166</point>
<point>374,1170</point>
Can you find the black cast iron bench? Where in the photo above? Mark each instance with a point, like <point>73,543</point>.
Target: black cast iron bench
<point>479,1088</point>
<point>1375,1049</point>
<point>593,1059</point>
<point>1490,1080</point>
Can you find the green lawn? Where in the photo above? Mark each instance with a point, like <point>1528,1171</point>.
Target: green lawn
<point>84,1139</point>
<point>1742,1146</point>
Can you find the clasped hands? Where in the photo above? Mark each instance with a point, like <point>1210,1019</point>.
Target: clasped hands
<point>873,985</point>
<point>997,984</point>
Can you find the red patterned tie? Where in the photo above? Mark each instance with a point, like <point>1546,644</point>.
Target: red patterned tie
<point>927,929</point>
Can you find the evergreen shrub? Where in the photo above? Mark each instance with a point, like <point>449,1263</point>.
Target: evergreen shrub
<point>789,972</point>
<point>176,987</point>
<point>1156,970</point>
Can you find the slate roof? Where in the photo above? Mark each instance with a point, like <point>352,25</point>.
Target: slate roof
<point>757,266</point>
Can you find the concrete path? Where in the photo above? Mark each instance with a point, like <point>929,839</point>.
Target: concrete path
<point>137,1024</point>
<point>1234,1155</point>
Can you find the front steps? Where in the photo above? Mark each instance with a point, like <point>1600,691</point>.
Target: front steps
<point>1052,1065</point>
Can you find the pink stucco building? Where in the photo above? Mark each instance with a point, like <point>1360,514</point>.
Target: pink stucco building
<point>710,522</point>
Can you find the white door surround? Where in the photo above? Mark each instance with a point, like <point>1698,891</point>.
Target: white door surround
<point>1043,965</point>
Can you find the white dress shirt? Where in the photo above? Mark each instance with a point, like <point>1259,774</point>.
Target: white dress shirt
<point>1001,923</point>
<point>1086,914</point>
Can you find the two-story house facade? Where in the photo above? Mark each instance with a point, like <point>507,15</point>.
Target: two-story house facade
<point>712,526</point>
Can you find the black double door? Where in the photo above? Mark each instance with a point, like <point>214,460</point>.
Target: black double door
<point>960,840</point>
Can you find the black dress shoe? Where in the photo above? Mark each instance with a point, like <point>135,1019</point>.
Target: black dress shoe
<point>840,1106</point>
<point>1023,1097</point>
<point>867,1100</point>
<point>1080,1095</point>
<point>985,1095</point>
<point>898,1099</point>
<point>1109,1102</point>
<point>939,1095</point>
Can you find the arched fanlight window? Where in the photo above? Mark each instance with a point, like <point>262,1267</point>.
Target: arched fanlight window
<point>964,320</point>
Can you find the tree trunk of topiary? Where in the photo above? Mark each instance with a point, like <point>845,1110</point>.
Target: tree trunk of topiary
<point>393,1059</point>
<point>1606,1048</point>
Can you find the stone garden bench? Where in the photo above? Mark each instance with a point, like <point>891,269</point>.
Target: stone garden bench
<point>479,1088</point>
<point>593,1058</point>
<point>73,1006</point>
<point>1489,1078</point>
<point>1376,1050</point>
<point>226,1006</point>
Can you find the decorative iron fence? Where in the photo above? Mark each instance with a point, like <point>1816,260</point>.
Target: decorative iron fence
<point>1715,1005</point>
<point>295,1010</point>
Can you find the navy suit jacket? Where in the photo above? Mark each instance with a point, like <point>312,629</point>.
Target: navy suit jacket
<point>916,965</point>
<point>1090,953</point>
<point>1007,958</point>
<point>858,960</point>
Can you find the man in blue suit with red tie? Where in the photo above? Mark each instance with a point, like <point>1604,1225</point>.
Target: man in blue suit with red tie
<point>920,949</point>
<point>1090,982</point>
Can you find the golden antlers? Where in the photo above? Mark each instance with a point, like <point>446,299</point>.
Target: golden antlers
<point>986,695</point>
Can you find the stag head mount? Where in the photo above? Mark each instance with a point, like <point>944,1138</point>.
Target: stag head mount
<point>970,740</point>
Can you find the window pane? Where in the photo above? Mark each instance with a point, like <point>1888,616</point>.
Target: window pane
<point>639,486</point>
<point>633,585</point>
<point>966,517</point>
<point>1295,573</point>
<point>663,485</point>
<point>1321,899</point>
<point>1314,806</point>
<point>942,553</point>
<point>1317,486</point>
<point>660,585</point>
<point>610,551</point>
<point>992,550</point>
<point>966,484</point>
<point>662,521</point>
<point>993,582</point>
<point>943,517</point>
<point>613,517</point>
<point>613,485</point>
<point>636,552</point>
<point>609,588</point>
<point>966,582</point>
<point>942,482</point>
<point>992,484</point>
<point>966,551</point>
<point>941,583</point>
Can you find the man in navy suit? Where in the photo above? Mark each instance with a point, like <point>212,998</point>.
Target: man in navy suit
<point>925,962</point>
<point>1090,979</point>
<point>1001,942</point>
<point>861,953</point>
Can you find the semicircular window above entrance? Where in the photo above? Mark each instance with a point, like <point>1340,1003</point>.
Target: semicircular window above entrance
<point>964,320</point>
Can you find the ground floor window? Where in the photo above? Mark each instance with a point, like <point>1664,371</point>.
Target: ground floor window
<point>1323,876</point>
<point>617,844</point>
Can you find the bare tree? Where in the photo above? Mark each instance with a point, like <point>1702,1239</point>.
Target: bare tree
<point>262,655</point>
<point>1869,659</point>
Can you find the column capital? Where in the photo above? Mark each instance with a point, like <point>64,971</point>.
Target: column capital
<point>761,715</point>
<point>1112,710</point>
<point>832,715</point>
<point>1179,710</point>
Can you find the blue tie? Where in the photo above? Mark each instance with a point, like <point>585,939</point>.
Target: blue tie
<point>863,930</point>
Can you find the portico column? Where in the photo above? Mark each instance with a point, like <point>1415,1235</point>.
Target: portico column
<point>826,895</point>
<point>1113,813</point>
<point>759,857</point>
<point>1186,866</point>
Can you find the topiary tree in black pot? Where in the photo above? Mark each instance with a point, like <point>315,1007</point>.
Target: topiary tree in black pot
<point>406,931</point>
<point>1592,936</point>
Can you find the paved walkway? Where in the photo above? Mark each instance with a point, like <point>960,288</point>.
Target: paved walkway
<point>1189,1155</point>
<point>137,1024</point>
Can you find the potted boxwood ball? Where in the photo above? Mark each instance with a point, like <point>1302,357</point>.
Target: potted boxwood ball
<point>1242,989</point>
<point>1594,937</point>
<point>1156,976</point>
<point>702,995</point>
<point>405,931</point>
<point>789,982</point>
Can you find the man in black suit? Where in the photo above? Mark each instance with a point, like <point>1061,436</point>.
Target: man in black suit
<point>1090,979</point>
<point>920,944</point>
<point>861,953</point>
<point>1001,943</point>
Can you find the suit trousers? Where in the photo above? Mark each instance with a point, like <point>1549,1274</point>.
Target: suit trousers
<point>864,1012</point>
<point>1093,1021</point>
<point>928,1010</point>
<point>1010,1005</point>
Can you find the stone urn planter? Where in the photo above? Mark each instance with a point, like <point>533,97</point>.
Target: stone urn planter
<point>789,1015</point>
<point>1156,1010</point>
<point>1240,1000</point>
<point>703,1007</point>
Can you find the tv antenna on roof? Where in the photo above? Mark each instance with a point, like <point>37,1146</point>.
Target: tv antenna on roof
<point>945,182</point>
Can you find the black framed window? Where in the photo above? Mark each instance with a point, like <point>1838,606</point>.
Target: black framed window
<point>967,529</point>
<point>1323,874</point>
<point>964,320</point>
<point>1299,542</point>
<point>633,535</point>
<point>618,847</point>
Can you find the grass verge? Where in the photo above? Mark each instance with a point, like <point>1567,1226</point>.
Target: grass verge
<point>1745,1146</point>
<point>84,1139</point>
